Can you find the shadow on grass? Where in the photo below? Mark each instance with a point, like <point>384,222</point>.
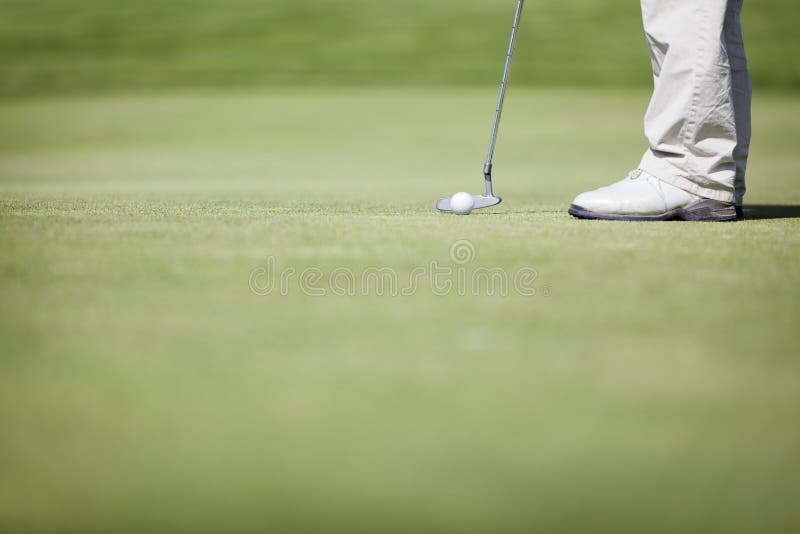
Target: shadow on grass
<point>756,212</point>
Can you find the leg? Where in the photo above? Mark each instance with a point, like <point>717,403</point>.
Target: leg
<point>691,122</point>
<point>698,121</point>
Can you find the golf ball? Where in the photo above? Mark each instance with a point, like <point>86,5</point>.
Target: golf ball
<point>462,203</point>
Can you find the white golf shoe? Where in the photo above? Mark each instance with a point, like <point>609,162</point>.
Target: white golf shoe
<point>642,197</point>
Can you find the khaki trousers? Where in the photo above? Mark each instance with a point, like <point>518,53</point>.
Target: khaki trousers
<point>698,121</point>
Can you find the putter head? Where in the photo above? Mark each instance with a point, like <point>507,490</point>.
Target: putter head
<point>443,204</point>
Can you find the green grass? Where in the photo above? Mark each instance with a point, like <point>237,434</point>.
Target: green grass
<point>652,384</point>
<point>52,46</point>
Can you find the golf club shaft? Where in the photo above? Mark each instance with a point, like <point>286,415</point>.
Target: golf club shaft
<point>487,169</point>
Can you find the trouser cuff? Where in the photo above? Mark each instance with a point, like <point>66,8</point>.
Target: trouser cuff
<point>668,173</point>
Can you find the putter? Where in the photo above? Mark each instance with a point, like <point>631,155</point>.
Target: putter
<point>489,199</point>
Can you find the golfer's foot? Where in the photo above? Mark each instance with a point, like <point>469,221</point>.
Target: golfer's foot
<point>642,197</point>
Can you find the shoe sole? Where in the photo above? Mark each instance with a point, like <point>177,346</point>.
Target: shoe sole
<point>704,210</point>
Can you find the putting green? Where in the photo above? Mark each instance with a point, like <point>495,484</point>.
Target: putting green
<point>651,382</point>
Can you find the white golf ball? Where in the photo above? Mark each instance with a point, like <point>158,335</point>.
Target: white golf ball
<point>462,203</point>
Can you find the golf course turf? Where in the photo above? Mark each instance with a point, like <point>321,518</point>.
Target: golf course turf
<point>650,384</point>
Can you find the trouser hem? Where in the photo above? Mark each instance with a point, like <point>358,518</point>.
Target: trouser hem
<point>671,175</point>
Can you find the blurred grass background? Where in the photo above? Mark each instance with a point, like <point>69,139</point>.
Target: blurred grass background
<point>153,153</point>
<point>55,46</point>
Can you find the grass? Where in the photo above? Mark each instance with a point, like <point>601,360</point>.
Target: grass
<point>650,385</point>
<point>51,46</point>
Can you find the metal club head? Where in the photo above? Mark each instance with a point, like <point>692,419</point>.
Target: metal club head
<point>481,201</point>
